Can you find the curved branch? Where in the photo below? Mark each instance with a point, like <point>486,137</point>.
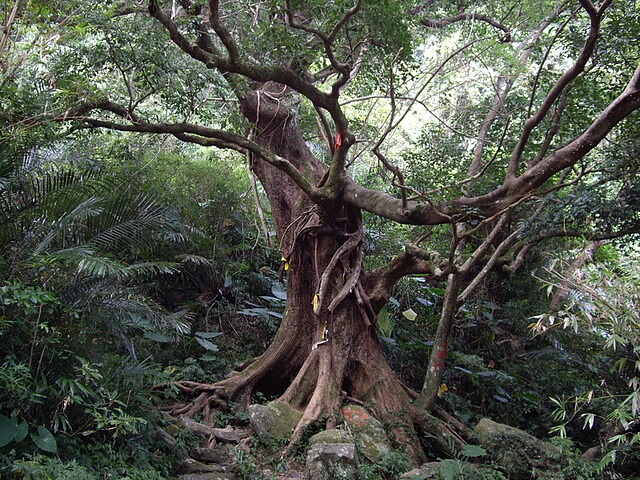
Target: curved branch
<point>222,31</point>
<point>352,243</point>
<point>464,16</point>
<point>235,64</point>
<point>191,133</point>
<point>413,261</point>
<point>515,188</point>
<point>380,203</point>
<point>554,93</point>
<point>343,68</point>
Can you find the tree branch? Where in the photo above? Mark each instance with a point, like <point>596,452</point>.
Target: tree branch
<point>464,16</point>
<point>380,203</point>
<point>191,133</point>
<point>235,64</point>
<point>569,154</point>
<point>569,75</point>
<point>413,261</point>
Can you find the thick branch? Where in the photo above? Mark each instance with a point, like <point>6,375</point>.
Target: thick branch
<point>193,133</point>
<point>413,261</point>
<point>568,76</point>
<point>386,206</point>
<point>517,187</point>
<point>444,22</point>
<point>236,64</point>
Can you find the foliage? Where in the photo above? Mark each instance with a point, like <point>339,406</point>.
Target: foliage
<point>604,300</point>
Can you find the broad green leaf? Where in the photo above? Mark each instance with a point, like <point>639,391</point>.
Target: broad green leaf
<point>23,430</point>
<point>158,337</point>
<point>8,430</point>
<point>206,344</point>
<point>45,440</point>
<point>208,334</point>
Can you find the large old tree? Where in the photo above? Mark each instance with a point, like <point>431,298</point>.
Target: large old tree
<point>309,91</point>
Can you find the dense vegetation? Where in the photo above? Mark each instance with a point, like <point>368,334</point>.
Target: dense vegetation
<point>471,174</point>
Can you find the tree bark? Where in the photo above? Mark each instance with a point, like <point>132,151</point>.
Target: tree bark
<point>433,378</point>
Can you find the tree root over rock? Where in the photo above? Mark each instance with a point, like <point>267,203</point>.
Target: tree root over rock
<point>319,387</point>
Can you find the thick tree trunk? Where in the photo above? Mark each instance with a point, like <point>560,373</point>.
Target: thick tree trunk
<point>326,349</point>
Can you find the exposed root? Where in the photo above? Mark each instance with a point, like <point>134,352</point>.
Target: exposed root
<point>434,427</point>
<point>462,430</point>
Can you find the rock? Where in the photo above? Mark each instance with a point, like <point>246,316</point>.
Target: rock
<point>516,452</point>
<point>371,438</point>
<point>230,434</point>
<point>428,470</point>
<point>333,435</point>
<point>330,461</point>
<point>189,465</point>
<point>275,420</point>
<point>207,476</point>
<point>211,455</point>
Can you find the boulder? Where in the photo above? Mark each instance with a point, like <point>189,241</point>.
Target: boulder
<point>207,476</point>
<point>331,461</point>
<point>428,470</point>
<point>211,455</point>
<point>274,420</point>
<point>371,438</point>
<point>190,465</point>
<point>333,435</point>
<point>515,451</point>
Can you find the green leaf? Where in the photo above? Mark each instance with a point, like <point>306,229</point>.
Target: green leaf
<point>473,451</point>
<point>45,440</point>
<point>23,430</point>
<point>449,469</point>
<point>8,430</point>
<point>436,291</point>
<point>207,345</point>
<point>158,337</point>
<point>208,334</point>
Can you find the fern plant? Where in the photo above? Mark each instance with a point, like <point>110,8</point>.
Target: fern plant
<point>78,260</point>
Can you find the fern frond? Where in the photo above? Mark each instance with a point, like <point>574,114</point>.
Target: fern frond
<point>195,259</point>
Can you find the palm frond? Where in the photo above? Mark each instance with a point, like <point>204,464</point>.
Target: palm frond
<point>195,259</point>
<point>139,222</point>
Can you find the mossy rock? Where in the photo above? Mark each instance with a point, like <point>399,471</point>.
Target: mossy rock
<point>333,435</point>
<point>331,461</point>
<point>371,437</point>
<point>518,453</point>
<point>426,471</point>
<point>275,420</point>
